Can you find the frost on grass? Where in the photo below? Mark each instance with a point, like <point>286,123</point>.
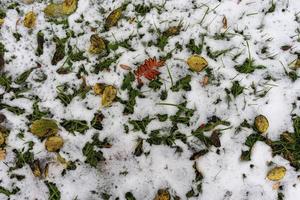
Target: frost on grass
<point>149,99</point>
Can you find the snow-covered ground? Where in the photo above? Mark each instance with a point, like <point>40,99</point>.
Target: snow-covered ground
<point>229,30</point>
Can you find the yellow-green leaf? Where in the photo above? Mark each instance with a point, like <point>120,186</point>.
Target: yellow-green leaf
<point>109,95</point>
<point>54,143</point>
<point>113,18</point>
<point>97,44</point>
<point>261,123</point>
<point>61,9</point>
<point>44,127</point>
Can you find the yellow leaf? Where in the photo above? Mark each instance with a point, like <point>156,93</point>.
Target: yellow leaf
<point>113,18</point>
<point>197,63</point>
<point>276,173</point>
<point>54,143</point>
<point>44,127</point>
<point>261,123</point>
<point>109,95</point>
<point>69,7</point>
<point>61,9</point>
<point>30,19</point>
<point>99,88</point>
<point>97,44</point>
<point>162,194</point>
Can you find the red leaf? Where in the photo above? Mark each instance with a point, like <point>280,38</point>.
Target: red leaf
<point>148,70</point>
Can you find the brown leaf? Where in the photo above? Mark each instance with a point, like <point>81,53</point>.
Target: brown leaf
<point>205,81</point>
<point>2,154</point>
<point>126,67</point>
<point>214,138</point>
<point>285,47</point>
<point>276,186</point>
<point>224,21</point>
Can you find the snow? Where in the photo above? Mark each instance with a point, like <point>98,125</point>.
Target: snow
<point>162,168</point>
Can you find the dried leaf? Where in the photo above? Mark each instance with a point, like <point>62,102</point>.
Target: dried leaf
<point>113,18</point>
<point>109,95</point>
<point>2,154</point>
<point>54,143</point>
<point>44,127</point>
<point>126,67</point>
<point>61,9</point>
<point>261,123</point>
<point>2,138</point>
<point>69,7</point>
<point>224,21</point>
<point>276,186</point>
<point>99,88</point>
<point>205,81</point>
<point>197,63</point>
<point>30,19</point>
<point>276,174</point>
<point>162,194</point>
<point>36,168</point>
<point>97,44</point>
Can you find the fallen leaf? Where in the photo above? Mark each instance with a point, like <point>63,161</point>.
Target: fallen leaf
<point>148,69</point>
<point>30,19</point>
<point>224,21</point>
<point>126,67</point>
<point>276,174</point>
<point>196,63</point>
<point>109,95</point>
<point>2,154</point>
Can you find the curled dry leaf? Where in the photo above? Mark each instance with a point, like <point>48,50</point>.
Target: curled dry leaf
<point>224,22</point>
<point>205,81</point>
<point>172,31</point>
<point>162,194</point>
<point>46,170</point>
<point>197,63</point>
<point>97,45</point>
<point>44,127</point>
<point>2,154</point>
<point>54,143</point>
<point>30,19</point>
<point>126,67</point>
<point>109,95</point>
<point>276,174</point>
<point>1,21</point>
<point>36,168</point>
<point>276,186</point>
<point>261,123</point>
